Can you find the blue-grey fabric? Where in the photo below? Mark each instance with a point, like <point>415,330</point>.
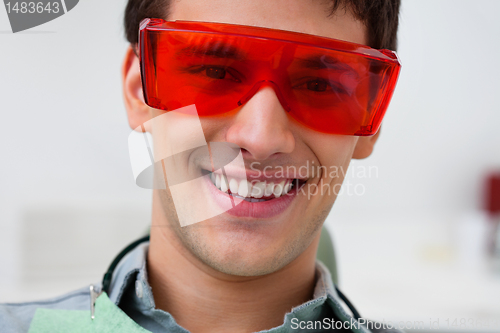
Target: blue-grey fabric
<point>16,318</point>
<point>130,291</point>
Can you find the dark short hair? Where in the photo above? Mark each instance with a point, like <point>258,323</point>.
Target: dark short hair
<point>381,18</point>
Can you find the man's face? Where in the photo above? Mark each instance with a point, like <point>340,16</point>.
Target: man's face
<point>266,236</point>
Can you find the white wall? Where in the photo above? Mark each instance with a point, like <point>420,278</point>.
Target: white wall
<point>64,148</point>
<point>412,247</point>
<point>441,130</point>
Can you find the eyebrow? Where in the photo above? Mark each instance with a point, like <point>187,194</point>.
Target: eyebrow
<point>320,61</point>
<point>212,49</point>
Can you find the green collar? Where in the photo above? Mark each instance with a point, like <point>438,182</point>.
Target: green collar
<point>108,318</point>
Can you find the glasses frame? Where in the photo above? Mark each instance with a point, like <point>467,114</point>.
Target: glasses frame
<point>388,57</point>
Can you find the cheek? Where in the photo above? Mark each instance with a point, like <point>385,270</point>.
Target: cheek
<point>334,153</point>
<point>332,150</point>
<point>339,152</point>
<point>215,128</point>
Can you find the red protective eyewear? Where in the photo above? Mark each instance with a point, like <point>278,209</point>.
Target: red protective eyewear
<point>328,85</point>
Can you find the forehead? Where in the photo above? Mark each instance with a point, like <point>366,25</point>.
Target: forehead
<point>306,16</point>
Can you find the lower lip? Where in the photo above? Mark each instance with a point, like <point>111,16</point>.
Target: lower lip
<point>262,209</point>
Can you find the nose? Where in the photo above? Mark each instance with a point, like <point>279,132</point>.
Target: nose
<point>261,127</point>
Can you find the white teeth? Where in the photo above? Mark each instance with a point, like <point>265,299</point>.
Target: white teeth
<point>269,189</point>
<point>224,186</point>
<point>233,185</point>
<point>278,189</point>
<point>252,192</point>
<point>243,189</point>
<point>258,190</point>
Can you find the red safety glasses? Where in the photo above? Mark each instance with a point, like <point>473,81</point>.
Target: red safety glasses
<point>328,85</point>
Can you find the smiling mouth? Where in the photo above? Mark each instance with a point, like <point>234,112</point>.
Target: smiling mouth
<point>255,191</point>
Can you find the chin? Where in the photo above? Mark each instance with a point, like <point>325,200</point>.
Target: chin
<point>243,253</point>
<point>248,265</point>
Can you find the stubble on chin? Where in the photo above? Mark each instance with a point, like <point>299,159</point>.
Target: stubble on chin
<point>228,258</point>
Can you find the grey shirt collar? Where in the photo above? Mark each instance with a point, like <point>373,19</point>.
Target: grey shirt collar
<point>130,285</point>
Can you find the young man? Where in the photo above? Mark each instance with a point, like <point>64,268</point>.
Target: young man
<point>252,267</point>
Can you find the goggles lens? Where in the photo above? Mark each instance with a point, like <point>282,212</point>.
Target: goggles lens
<point>328,85</point>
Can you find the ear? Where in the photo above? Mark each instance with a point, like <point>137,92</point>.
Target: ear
<point>364,146</point>
<point>137,109</point>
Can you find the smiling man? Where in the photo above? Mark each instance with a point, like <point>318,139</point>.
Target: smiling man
<point>299,88</point>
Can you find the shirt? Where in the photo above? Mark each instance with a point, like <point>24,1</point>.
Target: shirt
<point>131,292</point>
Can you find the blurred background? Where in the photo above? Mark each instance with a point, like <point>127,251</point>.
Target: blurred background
<point>414,238</point>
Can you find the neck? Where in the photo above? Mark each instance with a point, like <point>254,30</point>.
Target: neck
<point>203,299</point>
